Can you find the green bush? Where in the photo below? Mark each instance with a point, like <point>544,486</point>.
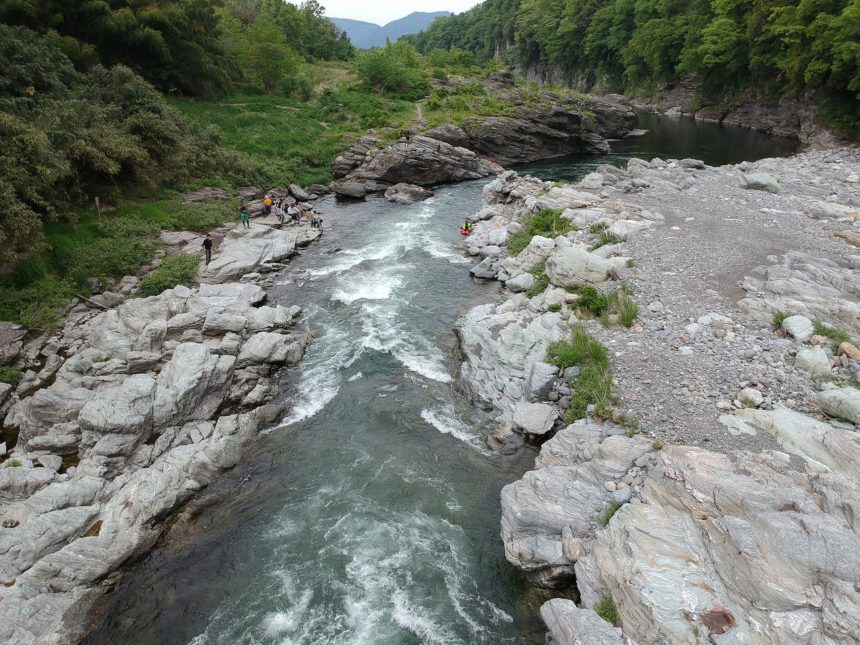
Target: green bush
<point>628,310</point>
<point>395,69</point>
<point>174,270</point>
<point>591,301</point>
<point>606,238</point>
<point>607,610</point>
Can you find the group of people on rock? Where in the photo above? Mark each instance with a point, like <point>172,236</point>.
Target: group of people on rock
<point>283,208</point>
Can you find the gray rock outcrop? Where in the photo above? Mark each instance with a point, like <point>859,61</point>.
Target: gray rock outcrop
<point>499,344</point>
<point>148,418</point>
<point>570,625</point>
<point>422,161</point>
<point>247,249</point>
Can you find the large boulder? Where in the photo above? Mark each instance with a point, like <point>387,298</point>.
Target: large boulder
<point>798,327</point>
<point>534,418</point>
<point>423,161</point>
<point>842,403</point>
<point>125,409</point>
<point>760,181</point>
<point>570,625</point>
<point>499,344</point>
<point>573,266</point>
<point>812,360</point>
<point>406,194</point>
<point>11,342</point>
<point>246,250</point>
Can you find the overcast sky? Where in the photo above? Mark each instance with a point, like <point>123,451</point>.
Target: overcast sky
<point>381,12</point>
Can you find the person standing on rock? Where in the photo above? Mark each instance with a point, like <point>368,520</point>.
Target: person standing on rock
<point>207,248</point>
<point>246,220</point>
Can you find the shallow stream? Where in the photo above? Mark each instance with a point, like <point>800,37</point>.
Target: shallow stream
<point>370,514</point>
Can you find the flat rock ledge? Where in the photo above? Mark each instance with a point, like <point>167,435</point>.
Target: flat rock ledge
<point>145,405</point>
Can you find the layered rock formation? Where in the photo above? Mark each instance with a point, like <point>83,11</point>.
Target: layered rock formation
<point>549,125</point>
<point>147,403</point>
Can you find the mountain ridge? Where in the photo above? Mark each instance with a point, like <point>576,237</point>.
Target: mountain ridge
<point>365,35</point>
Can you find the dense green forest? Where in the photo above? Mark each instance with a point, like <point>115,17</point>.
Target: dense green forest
<point>728,47</point>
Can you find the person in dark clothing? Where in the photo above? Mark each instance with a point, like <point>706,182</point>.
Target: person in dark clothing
<point>207,249</point>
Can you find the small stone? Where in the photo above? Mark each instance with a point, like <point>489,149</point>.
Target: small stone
<point>10,524</point>
<point>655,306</point>
<point>610,486</point>
<point>798,327</point>
<point>751,397</point>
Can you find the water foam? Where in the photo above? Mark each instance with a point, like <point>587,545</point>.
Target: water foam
<point>445,420</point>
<point>378,290</point>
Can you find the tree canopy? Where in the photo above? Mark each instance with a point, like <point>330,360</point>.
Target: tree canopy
<point>727,46</point>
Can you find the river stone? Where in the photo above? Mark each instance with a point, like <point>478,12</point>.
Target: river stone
<point>299,193</point>
<point>534,418</point>
<point>571,266</point>
<point>798,327</point>
<point>406,194</point>
<point>813,360</point>
<point>269,347</point>
<point>760,181</point>
<point>843,403</point>
<point>750,397</point>
<point>520,283</point>
<point>570,625</point>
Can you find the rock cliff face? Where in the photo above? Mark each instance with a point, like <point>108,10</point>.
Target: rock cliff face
<point>148,403</point>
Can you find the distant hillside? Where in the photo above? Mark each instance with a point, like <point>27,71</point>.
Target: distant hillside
<point>365,35</point>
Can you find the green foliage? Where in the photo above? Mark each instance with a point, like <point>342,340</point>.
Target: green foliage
<point>657,445</point>
<point>541,281</point>
<point>394,69</point>
<point>547,222</point>
<point>837,336</point>
<point>606,608</point>
<point>604,520</point>
<point>779,316</point>
<point>593,386</point>
<point>555,308</point>
<point>10,374</point>
<point>606,238</point>
<point>728,48</point>
<point>174,270</point>
<point>291,141</point>
<point>12,463</point>
<point>591,302</point>
<point>628,310</point>
<point>73,136</point>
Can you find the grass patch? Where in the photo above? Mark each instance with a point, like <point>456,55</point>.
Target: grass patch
<point>628,310</point>
<point>593,386</point>
<point>547,222</point>
<point>607,238</point>
<point>597,228</point>
<point>606,609</point>
<point>611,510</point>
<point>12,463</point>
<point>554,308</point>
<point>657,445</point>
<point>779,316</point>
<point>837,336</point>
<point>10,374</point>
<point>295,141</point>
<point>541,281</point>
<point>174,270</point>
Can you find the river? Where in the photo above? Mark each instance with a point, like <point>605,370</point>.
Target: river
<point>370,513</point>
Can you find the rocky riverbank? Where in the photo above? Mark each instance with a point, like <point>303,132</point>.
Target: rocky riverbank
<point>715,502</point>
<point>128,410</point>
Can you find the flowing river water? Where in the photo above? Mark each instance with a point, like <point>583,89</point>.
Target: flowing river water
<point>370,513</point>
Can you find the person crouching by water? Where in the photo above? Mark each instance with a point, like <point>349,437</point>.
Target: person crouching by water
<point>293,212</point>
<point>207,248</point>
<point>316,222</point>
<point>246,219</point>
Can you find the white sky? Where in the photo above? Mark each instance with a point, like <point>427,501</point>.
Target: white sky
<point>382,12</point>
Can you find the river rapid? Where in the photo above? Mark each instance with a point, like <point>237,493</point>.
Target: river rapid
<point>370,513</point>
